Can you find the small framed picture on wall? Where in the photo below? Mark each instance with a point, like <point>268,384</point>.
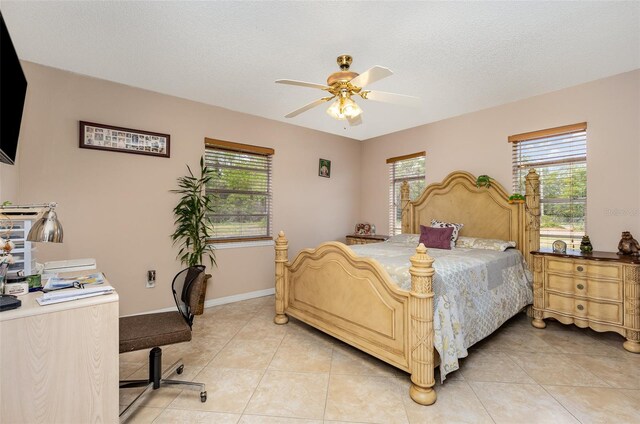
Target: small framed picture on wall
<point>324,168</point>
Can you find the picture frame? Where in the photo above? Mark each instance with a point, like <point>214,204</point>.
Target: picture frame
<point>324,168</point>
<point>124,140</point>
<point>559,246</point>
<point>365,229</point>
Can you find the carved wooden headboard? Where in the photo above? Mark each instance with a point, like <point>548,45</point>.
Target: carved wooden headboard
<point>485,212</point>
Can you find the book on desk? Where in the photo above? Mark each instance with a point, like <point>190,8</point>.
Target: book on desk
<point>79,281</point>
<point>65,289</point>
<point>66,295</point>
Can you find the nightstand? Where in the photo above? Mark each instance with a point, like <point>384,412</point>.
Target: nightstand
<point>600,290</point>
<point>362,239</point>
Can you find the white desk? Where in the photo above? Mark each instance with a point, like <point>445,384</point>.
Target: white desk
<point>59,363</point>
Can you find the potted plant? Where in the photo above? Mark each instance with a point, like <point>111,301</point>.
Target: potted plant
<point>516,198</point>
<point>483,181</point>
<point>193,227</point>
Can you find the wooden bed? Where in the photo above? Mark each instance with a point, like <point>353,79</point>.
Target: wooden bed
<point>354,299</point>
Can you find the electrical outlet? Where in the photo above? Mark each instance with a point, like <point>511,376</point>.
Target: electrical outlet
<point>151,278</point>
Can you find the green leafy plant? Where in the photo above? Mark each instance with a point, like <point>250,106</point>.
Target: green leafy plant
<point>192,224</point>
<point>516,197</point>
<point>483,181</point>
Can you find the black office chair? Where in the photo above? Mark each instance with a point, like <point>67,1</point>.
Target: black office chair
<point>160,329</point>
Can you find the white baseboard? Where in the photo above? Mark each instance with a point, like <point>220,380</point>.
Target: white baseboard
<point>238,297</point>
<point>218,301</point>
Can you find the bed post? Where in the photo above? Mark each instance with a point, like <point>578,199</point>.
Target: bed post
<point>421,327</point>
<point>282,256</point>
<point>532,219</point>
<point>404,204</point>
<point>532,240</point>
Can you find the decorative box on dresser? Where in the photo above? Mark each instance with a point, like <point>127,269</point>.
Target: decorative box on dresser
<point>365,239</point>
<point>600,290</point>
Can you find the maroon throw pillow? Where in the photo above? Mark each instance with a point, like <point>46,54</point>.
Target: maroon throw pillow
<point>438,238</point>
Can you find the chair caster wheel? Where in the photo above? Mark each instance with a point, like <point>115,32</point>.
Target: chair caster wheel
<point>203,397</point>
<point>180,369</point>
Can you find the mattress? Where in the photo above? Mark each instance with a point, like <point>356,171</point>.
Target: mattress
<point>475,291</point>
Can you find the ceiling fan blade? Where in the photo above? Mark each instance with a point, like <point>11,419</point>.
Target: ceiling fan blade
<point>307,107</point>
<point>371,75</point>
<point>398,99</point>
<point>302,84</point>
<point>355,121</point>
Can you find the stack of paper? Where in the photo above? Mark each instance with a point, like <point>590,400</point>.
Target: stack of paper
<point>72,294</point>
<point>56,283</point>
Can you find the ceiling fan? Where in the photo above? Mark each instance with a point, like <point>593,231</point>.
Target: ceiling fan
<point>344,84</point>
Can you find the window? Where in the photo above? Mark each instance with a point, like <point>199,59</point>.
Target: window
<point>408,168</point>
<point>241,186</point>
<point>559,155</point>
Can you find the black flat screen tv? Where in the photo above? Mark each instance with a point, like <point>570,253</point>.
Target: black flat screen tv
<point>13,89</point>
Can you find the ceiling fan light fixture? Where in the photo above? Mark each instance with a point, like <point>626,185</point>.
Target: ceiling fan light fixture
<point>344,84</point>
<point>334,110</point>
<point>350,109</point>
<point>344,108</point>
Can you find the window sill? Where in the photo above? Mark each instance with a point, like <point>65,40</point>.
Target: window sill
<point>241,244</point>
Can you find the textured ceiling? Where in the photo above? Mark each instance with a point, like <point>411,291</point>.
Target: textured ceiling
<point>457,56</point>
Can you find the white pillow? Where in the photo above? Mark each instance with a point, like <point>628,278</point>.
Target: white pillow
<point>465,242</point>
<point>404,239</point>
<point>482,243</point>
<point>456,229</point>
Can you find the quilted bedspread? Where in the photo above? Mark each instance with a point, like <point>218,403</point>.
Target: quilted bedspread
<point>475,290</point>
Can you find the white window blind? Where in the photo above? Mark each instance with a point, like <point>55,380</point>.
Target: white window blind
<point>559,155</point>
<point>410,168</point>
<point>241,187</point>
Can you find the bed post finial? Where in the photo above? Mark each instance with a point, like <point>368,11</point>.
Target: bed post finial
<point>532,210</point>
<point>404,204</point>
<point>282,256</point>
<point>421,362</point>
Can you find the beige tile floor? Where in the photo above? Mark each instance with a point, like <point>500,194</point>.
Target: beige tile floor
<point>259,372</point>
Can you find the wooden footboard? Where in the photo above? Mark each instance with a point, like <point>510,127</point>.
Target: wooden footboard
<point>354,300</point>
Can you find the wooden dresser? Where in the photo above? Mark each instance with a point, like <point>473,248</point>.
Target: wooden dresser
<point>600,290</point>
<point>362,239</point>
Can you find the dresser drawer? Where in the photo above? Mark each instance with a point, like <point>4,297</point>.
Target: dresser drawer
<point>583,308</point>
<point>593,288</point>
<point>579,267</point>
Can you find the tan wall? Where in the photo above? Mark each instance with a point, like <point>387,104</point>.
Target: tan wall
<point>8,182</point>
<point>117,208</point>
<point>477,142</point>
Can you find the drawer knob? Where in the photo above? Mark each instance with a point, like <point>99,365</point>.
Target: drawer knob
<point>580,307</point>
<point>580,268</point>
<point>580,287</point>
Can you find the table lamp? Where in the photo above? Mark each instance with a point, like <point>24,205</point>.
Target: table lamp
<point>47,228</point>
